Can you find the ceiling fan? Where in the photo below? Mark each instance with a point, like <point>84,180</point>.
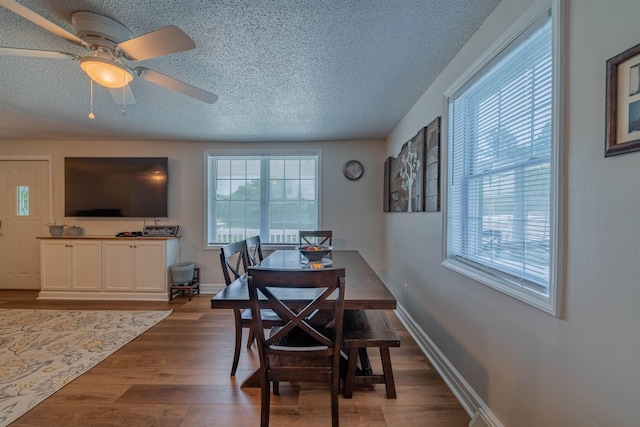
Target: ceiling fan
<point>111,46</point>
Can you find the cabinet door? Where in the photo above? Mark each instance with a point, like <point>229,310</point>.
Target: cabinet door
<point>85,265</point>
<point>151,271</point>
<point>55,265</point>
<point>118,265</point>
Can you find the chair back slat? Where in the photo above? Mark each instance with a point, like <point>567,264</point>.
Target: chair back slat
<point>254,250</point>
<point>298,315</point>
<point>233,258</point>
<point>300,319</point>
<point>316,237</point>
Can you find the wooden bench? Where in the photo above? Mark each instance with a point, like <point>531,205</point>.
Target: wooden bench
<point>362,329</point>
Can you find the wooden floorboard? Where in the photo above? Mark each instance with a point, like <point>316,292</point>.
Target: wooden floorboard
<point>177,375</point>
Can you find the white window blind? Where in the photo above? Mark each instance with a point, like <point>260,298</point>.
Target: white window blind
<point>499,214</point>
<point>273,196</point>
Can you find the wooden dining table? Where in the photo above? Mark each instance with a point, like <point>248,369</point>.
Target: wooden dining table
<point>363,288</point>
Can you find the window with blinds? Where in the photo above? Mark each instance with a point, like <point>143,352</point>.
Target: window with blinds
<point>272,196</point>
<point>500,209</point>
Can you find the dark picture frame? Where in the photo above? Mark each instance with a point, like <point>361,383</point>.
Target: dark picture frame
<point>386,196</point>
<point>623,103</point>
<point>412,180</point>
<point>432,166</point>
<point>406,176</point>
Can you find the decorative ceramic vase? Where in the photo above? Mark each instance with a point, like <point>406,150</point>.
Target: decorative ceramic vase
<point>75,231</point>
<point>56,230</point>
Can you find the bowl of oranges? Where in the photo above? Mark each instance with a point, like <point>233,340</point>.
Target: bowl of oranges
<point>314,252</point>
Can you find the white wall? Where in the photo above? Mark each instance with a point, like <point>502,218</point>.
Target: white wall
<point>352,209</point>
<point>530,368</point>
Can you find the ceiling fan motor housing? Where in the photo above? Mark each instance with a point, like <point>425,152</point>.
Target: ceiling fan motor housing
<point>110,43</point>
<point>98,30</point>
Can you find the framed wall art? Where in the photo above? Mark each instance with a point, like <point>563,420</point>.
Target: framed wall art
<point>432,166</point>
<point>623,103</point>
<point>412,180</point>
<point>386,192</point>
<point>406,176</point>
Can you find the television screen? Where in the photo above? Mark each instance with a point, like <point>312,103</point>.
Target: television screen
<point>116,187</point>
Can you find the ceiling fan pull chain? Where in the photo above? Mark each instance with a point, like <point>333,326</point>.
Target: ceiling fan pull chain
<point>124,95</point>
<point>91,115</point>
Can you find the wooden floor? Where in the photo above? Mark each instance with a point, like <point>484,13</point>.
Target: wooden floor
<point>177,374</point>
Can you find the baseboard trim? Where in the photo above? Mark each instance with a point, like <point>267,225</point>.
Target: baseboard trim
<point>211,288</point>
<point>205,288</point>
<point>468,398</point>
<point>104,296</point>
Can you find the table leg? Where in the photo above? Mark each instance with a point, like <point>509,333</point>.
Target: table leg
<point>365,364</point>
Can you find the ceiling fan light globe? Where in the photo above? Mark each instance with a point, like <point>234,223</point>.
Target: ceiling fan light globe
<point>105,72</point>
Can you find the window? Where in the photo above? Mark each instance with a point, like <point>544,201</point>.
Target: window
<point>502,158</point>
<point>273,196</point>
<point>22,200</point>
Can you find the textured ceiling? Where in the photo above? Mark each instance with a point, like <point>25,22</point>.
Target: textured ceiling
<point>284,70</point>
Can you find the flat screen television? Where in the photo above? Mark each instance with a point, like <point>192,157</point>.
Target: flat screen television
<point>116,187</point>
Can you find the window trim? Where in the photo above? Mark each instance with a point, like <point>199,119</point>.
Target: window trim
<point>552,303</point>
<point>252,152</point>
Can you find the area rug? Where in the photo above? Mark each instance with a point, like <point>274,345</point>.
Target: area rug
<point>42,350</point>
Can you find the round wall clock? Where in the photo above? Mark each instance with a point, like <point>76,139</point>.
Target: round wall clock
<point>353,170</point>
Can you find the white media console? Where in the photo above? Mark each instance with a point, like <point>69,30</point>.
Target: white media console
<point>107,268</point>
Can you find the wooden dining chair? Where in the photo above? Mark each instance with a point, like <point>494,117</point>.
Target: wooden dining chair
<point>234,261</point>
<point>316,237</point>
<point>304,349</point>
<point>254,250</point>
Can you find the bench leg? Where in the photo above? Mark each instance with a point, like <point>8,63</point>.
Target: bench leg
<point>350,378</point>
<point>388,372</point>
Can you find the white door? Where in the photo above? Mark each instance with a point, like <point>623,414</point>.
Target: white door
<point>24,209</point>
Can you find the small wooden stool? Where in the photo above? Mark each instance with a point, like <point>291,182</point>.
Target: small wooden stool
<point>192,287</point>
<point>362,329</point>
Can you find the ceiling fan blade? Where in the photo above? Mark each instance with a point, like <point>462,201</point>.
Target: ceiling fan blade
<point>164,41</point>
<point>41,21</point>
<point>123,95</point>
<point>14,51</point>
<point>177,85</point>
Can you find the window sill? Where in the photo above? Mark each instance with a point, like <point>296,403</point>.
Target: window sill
<point>514,290</point>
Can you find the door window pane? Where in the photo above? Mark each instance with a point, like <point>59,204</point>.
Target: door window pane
<point>22,201</point>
